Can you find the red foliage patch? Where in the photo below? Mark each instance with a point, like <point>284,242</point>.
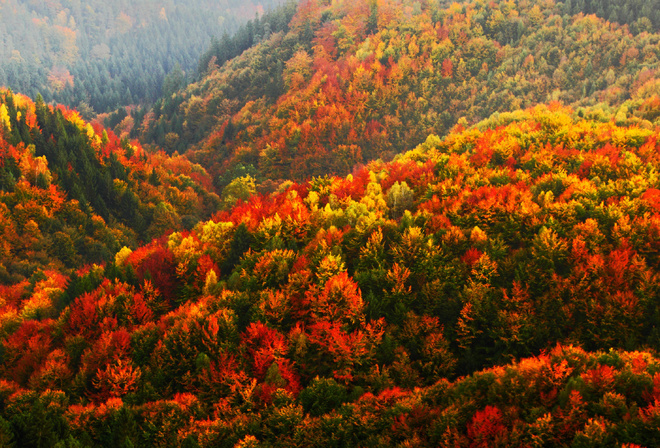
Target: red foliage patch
<point>486,427</point>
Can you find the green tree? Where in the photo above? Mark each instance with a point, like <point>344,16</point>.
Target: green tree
<point>400,198</point>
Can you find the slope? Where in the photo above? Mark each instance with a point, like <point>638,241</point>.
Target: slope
<point>357,81</point>
<point>345,310</point>
<point>72,194</point>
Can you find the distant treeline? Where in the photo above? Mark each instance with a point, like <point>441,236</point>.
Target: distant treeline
<point>103,55</point>
<point>247,35</point>
<point>642,15</point>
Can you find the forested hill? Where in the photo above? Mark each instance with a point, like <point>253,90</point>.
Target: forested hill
<point>403,253</point>
<point>104,54</point>
<point>72,194</point>
<point>355,81</point>
<point>362,310</point>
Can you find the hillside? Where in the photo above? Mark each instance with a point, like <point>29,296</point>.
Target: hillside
<point>438,225</point>
<point>363,310</point>
<point>73,194</point>
<point>351,82</point>
<point>105,54</point>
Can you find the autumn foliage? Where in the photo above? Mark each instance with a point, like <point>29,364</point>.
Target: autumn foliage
<point>351,82</point>
<point>517,257</point>
<point>496,286</point>
<point>73,194</point>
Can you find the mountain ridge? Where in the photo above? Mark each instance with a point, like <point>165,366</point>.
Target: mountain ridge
<point>323,98</point>
<point>64,178</point>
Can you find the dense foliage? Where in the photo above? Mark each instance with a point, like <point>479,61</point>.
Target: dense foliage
<point>73,194</point>
<point>104,54</point>
<point>641,15</point>
<point>351,82</point>
<point>344,311</point>
<point>497,285</point>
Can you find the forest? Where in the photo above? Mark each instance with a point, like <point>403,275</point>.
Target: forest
<point>73,194</point>
<point>98,56</point>
<point>380,223</point>
<point>349,83</point>
<point>495,286</point>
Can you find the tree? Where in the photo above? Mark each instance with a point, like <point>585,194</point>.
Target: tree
<point>239,189</point>
<point>399,199</point>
